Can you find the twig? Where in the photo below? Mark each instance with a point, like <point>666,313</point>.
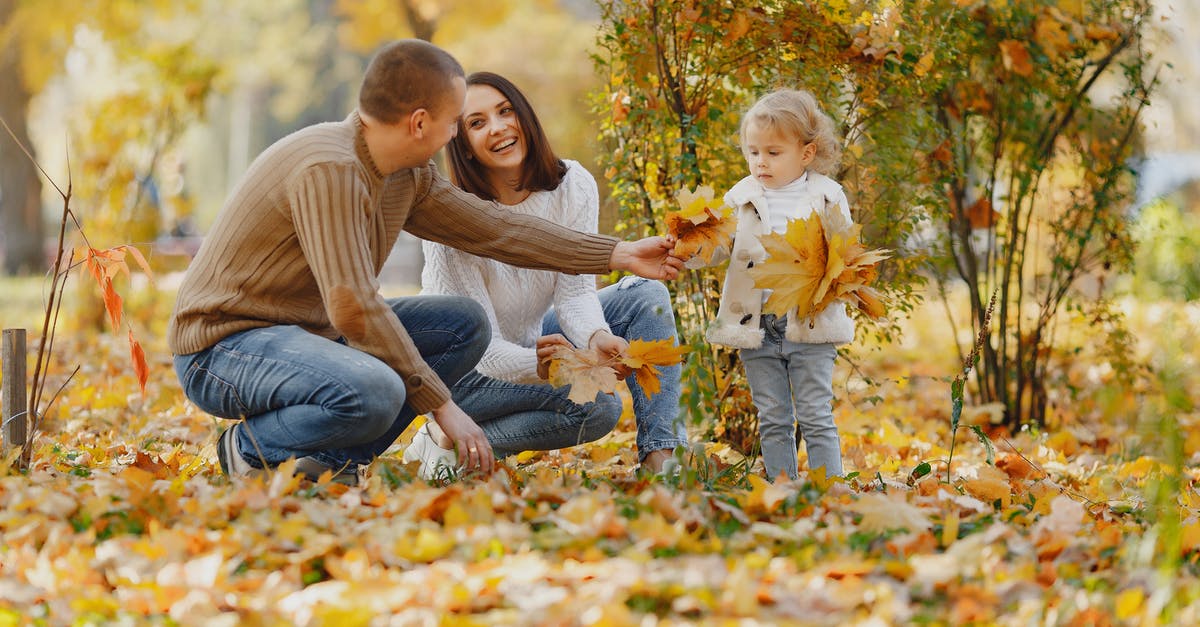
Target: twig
<point>956,386</point>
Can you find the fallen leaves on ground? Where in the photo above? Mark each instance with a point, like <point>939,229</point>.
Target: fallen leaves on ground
<point>125,518</point>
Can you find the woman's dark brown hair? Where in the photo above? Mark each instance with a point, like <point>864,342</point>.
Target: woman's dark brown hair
<point>540,171</point>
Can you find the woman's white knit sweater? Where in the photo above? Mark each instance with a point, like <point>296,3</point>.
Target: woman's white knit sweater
<point>516,299</point>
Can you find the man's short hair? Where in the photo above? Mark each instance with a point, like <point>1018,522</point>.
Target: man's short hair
<point>404,76</point>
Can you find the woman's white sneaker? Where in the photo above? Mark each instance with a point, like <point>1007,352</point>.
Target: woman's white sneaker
<point>437,463</point>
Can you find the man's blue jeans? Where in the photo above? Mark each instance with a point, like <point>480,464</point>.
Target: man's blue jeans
<point>537,417</point>
<point>790,384</point>
<point>305,396</point>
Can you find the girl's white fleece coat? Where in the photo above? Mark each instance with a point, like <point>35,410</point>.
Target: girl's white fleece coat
<point>737,323</point>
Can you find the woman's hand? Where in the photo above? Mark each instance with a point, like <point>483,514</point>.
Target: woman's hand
<point>474,450</point>
<point>546,346</point>
<point>649,257</point>
<point>613,347</point>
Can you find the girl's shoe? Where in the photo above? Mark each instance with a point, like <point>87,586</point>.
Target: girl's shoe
<point>437,463</point>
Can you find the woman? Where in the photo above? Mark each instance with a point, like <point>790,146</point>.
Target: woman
<point>501,154</point>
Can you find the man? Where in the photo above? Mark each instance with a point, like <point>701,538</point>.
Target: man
<point>279,320</point>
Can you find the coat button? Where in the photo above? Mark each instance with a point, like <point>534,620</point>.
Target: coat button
<point>737,308</point>
<point>743,256</point>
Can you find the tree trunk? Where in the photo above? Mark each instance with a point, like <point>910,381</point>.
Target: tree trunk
<point>422,27</point>
<point>20,188</point>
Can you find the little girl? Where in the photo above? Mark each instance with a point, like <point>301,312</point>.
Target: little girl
<point>790,147</point>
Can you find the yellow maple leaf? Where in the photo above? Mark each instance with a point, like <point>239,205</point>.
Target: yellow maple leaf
<point>644,357</point>
<point>702,226</point>
<point>586,371</point>
<point>794,267</point>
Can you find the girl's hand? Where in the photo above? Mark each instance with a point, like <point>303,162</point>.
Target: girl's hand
<point>613,347</point>
<point>546,346</point>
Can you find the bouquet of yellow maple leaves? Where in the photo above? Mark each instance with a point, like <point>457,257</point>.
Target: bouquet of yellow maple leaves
<point>818,260</point>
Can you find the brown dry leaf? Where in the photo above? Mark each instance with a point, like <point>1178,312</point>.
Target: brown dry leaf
<point>644,357</point>
<point>1016,57</point>
<point>702,226</point>
<point>989,485</point>
<point>586,371</point>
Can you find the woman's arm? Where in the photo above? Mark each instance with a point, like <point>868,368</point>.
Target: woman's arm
<point>575,301</point>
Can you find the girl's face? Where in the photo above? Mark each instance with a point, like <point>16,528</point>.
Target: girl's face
<point>493,131</point>
<point>773,159</point>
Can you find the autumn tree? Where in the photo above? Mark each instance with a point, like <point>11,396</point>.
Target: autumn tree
<point>1037,130</point>
<point>20,186</point>
<point>681,73</point>
<point>931,95</point>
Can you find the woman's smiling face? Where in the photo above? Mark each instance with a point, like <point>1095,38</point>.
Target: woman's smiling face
<point>493,130</point>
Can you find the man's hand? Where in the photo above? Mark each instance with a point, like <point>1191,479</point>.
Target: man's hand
<point>613,347</point>
<point>649,257</point>
<point>474,450</point>
<point>545,352</point>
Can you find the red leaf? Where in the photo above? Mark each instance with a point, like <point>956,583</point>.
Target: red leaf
<point>138,356</point>
<point>112,304</point>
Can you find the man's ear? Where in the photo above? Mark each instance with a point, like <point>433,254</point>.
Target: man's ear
<point>418,122</point>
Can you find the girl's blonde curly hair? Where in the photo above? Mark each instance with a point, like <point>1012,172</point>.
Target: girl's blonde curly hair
<point>796,113</point>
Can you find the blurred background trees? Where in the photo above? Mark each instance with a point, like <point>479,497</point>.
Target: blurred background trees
<point>159,105</point>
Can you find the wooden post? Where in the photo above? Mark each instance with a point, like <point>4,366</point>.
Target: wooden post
<point>16,417</point>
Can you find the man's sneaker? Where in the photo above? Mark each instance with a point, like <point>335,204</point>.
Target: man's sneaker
<point>235,466</point>
<point>232,463</point>
<point>437,463</point>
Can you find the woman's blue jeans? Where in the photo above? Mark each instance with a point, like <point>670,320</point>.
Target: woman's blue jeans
<point>537,417</point>
<point>306,396</point>
<point>792,383</point>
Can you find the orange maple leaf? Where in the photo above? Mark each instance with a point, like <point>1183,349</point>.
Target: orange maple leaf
<point>644,357</point>
<point>702,225</point>
<point>585,370</point>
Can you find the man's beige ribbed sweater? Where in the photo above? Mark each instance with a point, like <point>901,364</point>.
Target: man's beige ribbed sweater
<point>303,237</point>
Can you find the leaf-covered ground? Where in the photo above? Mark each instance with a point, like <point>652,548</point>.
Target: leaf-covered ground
<point>125,517</point>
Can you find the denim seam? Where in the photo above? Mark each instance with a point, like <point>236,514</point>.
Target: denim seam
<point>300,365</point>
